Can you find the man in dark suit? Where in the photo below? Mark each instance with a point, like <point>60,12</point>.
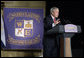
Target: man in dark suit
<point>51,47</point>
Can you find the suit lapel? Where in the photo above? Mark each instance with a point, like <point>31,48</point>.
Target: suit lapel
<point>51,20</point>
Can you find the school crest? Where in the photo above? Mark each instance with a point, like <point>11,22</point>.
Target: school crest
<point>24,28</point>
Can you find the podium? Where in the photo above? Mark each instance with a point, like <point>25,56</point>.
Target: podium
<point>67,31</point>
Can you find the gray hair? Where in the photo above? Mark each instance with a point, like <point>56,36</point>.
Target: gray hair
<point>51,10</point>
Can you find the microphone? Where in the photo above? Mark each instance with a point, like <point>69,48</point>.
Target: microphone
<point>67,21</point>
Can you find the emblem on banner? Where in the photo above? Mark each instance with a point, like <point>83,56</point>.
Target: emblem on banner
<point>23,28</point>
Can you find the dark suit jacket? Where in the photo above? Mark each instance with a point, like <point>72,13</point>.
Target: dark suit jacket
<point>48,21</point>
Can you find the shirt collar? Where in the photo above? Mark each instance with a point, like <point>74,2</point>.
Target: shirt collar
<point>52,17</point>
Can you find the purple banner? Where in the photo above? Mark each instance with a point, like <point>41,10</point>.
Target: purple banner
<point>23,28</point>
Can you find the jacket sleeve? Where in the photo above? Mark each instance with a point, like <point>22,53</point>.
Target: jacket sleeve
<point>47,24</point>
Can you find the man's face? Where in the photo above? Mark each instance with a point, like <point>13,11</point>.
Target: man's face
<point>55,13</point>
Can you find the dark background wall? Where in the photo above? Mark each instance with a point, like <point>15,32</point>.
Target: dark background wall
<point>72,11</point>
